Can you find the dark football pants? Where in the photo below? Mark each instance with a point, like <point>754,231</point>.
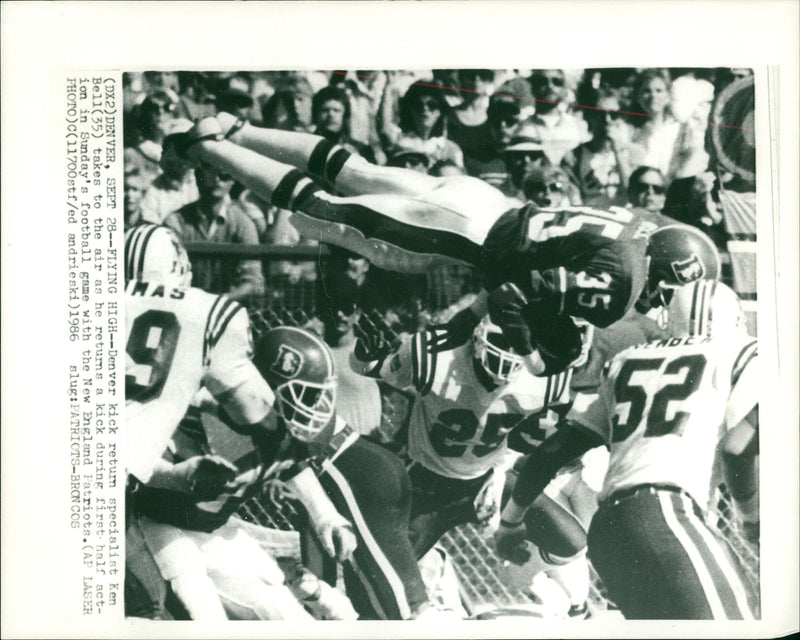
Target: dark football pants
<point>369,486</point>
<point>659,560</point>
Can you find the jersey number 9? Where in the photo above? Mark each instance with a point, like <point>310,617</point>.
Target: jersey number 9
<point>151,346</point>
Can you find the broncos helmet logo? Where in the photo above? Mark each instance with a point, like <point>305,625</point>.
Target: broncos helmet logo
<point>288,362</point>
<point>688,270</point>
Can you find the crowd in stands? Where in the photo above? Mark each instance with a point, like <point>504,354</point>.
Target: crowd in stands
<point>594,137</point>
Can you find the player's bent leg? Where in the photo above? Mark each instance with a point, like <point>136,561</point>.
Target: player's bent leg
<point>370,487</point>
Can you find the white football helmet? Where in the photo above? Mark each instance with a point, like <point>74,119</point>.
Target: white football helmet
<point>299,367</point>
<point>154,253</point>
<point>492,350</point>
<point>705,308</point>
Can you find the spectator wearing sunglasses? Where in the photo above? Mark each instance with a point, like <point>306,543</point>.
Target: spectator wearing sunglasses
<point>601,166</point>
<point>550,187</point>
<point>559,130</point>
<point>646,189</point>
<point>215,217</point>
<point>421,116</point>
<point>155,118</point>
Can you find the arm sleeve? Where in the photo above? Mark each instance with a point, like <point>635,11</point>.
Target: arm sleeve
<point>744,386</point>
<point>399,369</point>
<point>232,378</point>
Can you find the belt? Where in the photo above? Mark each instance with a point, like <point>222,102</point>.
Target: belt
<point>623,494</point>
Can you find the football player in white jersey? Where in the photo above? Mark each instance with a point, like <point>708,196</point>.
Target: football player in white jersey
<point>178,339</point>
<point>666,409</point>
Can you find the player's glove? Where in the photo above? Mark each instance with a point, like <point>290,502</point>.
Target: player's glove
<point>511,543</point>
<point>487,502</point>
<point>455,332</point>
<point>558,341</point>
<point>336,535</point>
<point>207,476</point>
<point>371,346</point>
<point>507,305</point>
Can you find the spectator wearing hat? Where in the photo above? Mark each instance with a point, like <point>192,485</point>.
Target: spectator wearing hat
<point>155,119</point>
<point>358,398</point>
<point>289,108</point>
<point>559,130</point>
<point>523,153</point>
<point>467,124</point>
<point>173,188</point>
<point>422,116</point>
<point>601,167</point>
<point>330,112</point>
<point>550,187</point>
<point>509,108</point>
<point>215,217</point>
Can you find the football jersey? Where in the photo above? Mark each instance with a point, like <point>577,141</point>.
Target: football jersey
<point>458,428</point>
<point>663,407</point>
<point>534,238</point>
<point>177,340</point>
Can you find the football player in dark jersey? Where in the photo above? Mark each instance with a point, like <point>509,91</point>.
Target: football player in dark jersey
<point>541,265</point>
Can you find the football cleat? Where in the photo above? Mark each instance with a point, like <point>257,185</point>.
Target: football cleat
<point>154,253</point>
<point>299,367</point>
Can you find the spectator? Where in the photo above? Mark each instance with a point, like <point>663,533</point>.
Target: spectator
<point>508,109</point>
<point>523,153</point>
<point>559,130</point>
<point>646,189</point>
<point>155,119</point>
<point>550,187</point>
<point>173,188</point>
<point>289,108</point>
<point>656,129</point>
<point>214,217</point>
<point>195,101</point>
<point>468,124</point>
<point>135,186</point>
<point>601,166</point>
<point>364,88</point>
<point>422,116</point>
<point>445,168</point>
<point>691,201</point>
<point>358,399</point>
<point>330,112</point>
<point>236,101</point>
<point>447,79</point>
<point>409,153</point>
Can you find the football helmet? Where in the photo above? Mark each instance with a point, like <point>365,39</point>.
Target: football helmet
<point>677,254</point>
<point>705,308</point>
<point>154,253</point>
<point>299,367</point>
<point>492,350</point>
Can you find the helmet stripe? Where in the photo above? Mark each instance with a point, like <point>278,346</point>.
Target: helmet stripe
<point>693,322</point>
<point>143,250</point>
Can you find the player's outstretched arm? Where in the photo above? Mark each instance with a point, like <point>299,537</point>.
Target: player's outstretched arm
<point>539,468</point>
<point>739,448</point>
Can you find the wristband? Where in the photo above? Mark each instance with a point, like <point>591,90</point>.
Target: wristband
<point>510,525</point>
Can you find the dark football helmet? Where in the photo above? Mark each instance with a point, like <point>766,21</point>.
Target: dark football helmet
<point>299,367</point>
<point>677,254</point>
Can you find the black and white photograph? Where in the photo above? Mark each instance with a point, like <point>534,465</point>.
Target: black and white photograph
<point>479,346</point>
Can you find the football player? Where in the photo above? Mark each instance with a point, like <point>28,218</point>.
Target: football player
<point>542,266</point>
<point>367,483</point>
<point>664,410</point>
<point>677,254</point>
<point>472,403</point>
<point>177,339</point>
